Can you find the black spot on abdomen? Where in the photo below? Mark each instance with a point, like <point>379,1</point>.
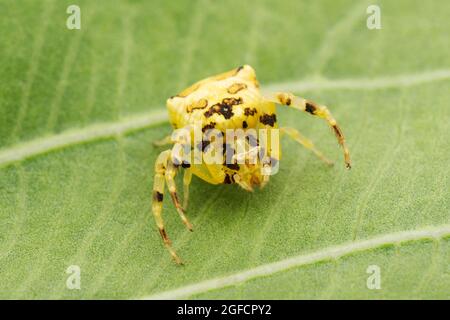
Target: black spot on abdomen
<point>224,108</point>
<point>268,119</point>
<point>250,111</point>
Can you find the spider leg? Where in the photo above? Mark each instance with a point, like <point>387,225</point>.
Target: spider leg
<point>186,182</point>
<point>297,136</point>
<point>171,171</point>
<point>164,141</point>
<point>242,183</point>
<point>157,202</point>
<point>313,108</point>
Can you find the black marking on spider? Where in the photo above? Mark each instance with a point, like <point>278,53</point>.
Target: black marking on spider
<point>228,179</point>
<point>250,111</point>
<point>309,107</point>
<point>224,108</point>
<point>208,126</point>
<point>158,196</point>
<point>337,131</point>
<point>268,119</point>
<point>232,166</point>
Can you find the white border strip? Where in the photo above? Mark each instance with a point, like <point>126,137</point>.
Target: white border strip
<point>325,254</point>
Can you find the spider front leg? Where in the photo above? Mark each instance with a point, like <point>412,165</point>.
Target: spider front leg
<point>171,171</point>
<point>164,173</point>
<point>157,203</point>
<point>186,182</point>
<point>315,109</point>
<point>297,136</point>
<point>163,142</point>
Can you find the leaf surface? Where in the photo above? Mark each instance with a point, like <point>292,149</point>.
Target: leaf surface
<point>80,109</point>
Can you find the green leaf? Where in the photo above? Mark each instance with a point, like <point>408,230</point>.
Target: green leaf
<point>80,109</point>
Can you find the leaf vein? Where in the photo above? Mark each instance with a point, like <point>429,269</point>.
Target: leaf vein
<point>26,150</point>
<point>304,259</point>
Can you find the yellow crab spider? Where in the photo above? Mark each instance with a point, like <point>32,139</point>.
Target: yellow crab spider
<point>231,100</point>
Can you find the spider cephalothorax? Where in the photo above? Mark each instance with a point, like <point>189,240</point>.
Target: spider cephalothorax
<point>206,115</point>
